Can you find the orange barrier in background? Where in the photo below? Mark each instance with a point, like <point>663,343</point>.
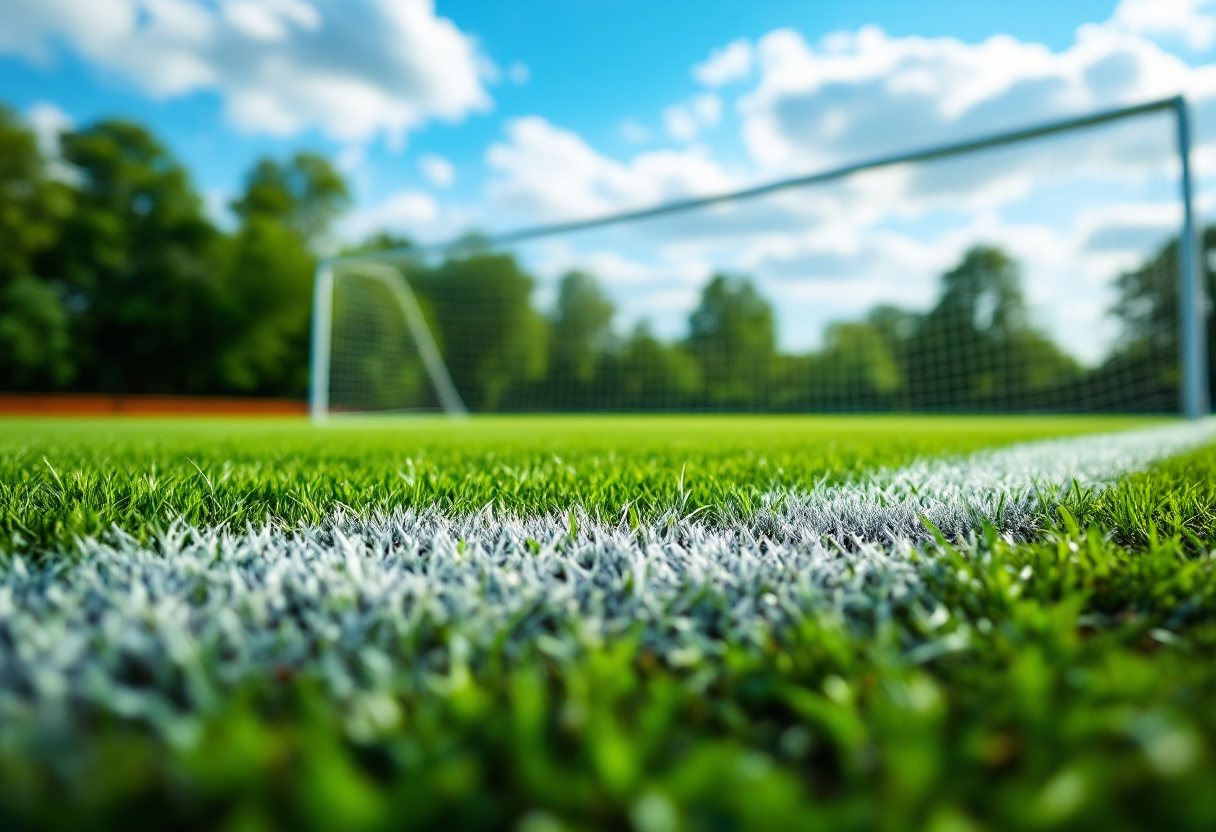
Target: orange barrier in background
<point>100,404</point>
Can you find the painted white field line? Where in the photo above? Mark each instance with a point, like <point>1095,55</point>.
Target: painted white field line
<point>1006,487</point>
<point>134,630</point>
<point>370,604</point>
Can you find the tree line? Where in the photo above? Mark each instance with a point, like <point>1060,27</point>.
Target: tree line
<point>974,350</point>
<point>113,279</point>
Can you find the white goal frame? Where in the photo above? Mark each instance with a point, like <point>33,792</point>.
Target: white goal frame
<point>1192,296</point>
<point>403,295</point>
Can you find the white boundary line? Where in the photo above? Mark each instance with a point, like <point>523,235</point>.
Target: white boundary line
<point>359,602</point>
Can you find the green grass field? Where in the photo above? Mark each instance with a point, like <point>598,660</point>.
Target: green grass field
<point>1060,679</point>
<point>71,477</point>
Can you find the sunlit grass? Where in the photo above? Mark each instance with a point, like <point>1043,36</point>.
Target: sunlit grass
<point>60,478</point>
<point>1063,682</point>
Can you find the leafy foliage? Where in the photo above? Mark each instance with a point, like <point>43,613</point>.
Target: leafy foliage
<point>113,279</point>
<point>305,194</point>
<point>34,337</point>
<point>33,322</point>
<point>491,337</point>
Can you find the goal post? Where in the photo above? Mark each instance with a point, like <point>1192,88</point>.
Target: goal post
<point>411,338</point>
<point>1056,268</point>
<point>1192,299</point>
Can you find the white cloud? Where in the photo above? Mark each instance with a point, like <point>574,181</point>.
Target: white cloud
<point>680,122</point>
<point>547,173</point>
<point>684,122</point>
<point>1122,229</point>
<point>438,170</point>
<point>1190,21</point>
<point>1075,211</point>
<point>351,68</point>
<point>216,204</point>
<point>708,108</point>
<point>270,20</point>
<point>732,62</point>
<point>412,213</point>
<point>48,123</point>
<point>864,94</point>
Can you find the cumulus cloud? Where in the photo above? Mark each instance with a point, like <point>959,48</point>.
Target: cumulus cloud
<point>684,122</point>
<point>217,204</point>
<point>1128,228</point>
<point>661,291</point>
<point>1075,210</point>
<point>861,94</point>
<point>414,214</point>
<point>545,173</point>
<point>1190,21</point>
<point>680,123</point>
<point>270,20</point>
<point>732,62</point>
<point>48,123</point>
<point>437,170</point>
<point>354,69</point>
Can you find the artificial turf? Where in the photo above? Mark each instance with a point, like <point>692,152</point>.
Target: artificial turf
<point>1063,682</point>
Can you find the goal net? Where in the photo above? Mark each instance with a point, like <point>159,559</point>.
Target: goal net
<point>1056,269</point>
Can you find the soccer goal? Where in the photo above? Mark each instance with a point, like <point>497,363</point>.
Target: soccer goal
<point>1056,268</point>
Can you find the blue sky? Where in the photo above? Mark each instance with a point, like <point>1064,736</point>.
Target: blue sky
<point>591,66</point>
<point>472,113</point>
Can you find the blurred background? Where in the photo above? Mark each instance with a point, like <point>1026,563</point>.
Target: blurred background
<point>171,170</point>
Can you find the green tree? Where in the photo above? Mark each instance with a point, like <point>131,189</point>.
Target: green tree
<point>137,259</point>
<point>580,335</point>
<point>34,341</point>
<point>33,205</point>
<point>266,280</point>
<point>307,194</point>
<point>976,349</point>
<point>655,375</point>
<point>492,340</point>
<point>1145,366</point>
<point>380,241</point>
<point>733,336</point>
<point>265,306</point>
<point>856,368</point>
